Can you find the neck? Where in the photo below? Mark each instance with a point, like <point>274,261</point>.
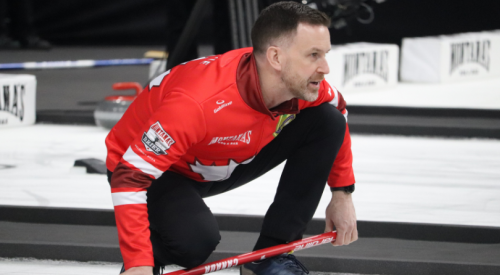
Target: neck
<point>274,91</point>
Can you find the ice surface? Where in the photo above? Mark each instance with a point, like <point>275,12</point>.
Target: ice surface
<point>24,266</point>
<point>404,179</point>
<point>46,267</point>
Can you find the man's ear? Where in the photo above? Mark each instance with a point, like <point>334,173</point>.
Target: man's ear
<point>274,56</point>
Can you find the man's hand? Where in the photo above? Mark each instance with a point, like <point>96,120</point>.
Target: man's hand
<point>139,270</point>
<point>340,214</point>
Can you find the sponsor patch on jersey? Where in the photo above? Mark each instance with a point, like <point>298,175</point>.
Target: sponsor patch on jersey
<point>156,140</point>
<point>232,140</point>
<point>284,121</point>
<point>222,105</point>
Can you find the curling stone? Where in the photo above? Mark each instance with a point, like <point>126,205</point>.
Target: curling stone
<point>112,108</point>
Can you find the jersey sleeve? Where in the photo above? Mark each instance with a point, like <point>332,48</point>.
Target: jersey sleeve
<point>341,173</point>
<point>173,128</point>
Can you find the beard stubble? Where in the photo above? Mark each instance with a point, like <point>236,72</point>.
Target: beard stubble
<point>298,86</point>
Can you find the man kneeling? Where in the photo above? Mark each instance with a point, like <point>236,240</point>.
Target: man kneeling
<point>213,124</point>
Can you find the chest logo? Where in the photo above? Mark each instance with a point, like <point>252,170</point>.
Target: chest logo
<point>232,140</point>
<point>156,140</point>
<point>284,121</point>
<point>222,105</point>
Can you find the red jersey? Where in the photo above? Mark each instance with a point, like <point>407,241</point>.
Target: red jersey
<point>201,119</point>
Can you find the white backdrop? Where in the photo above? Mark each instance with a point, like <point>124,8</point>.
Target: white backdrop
<point>360,66</point>
<point>450,58</point>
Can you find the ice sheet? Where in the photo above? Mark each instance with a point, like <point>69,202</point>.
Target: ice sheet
<point>23,266</point>
<point>404,179</point>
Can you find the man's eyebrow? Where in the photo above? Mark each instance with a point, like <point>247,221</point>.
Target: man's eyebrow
<point>318,49</point>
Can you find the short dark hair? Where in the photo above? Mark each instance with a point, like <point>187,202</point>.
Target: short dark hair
<point>282,18</point>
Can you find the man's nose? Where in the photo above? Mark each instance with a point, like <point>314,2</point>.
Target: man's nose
<point>323,67</point>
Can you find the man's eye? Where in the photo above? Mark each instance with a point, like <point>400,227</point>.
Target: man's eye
<point>314,54</point>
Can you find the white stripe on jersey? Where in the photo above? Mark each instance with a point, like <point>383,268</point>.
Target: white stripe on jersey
<point>217,173</point>
<point>122,198</point>
<point>131,157</point>
<point>335,100</point>
<point>157,81</point>
<point>345,115</point>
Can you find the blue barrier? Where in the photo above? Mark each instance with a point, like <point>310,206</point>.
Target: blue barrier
<point>74,64</point>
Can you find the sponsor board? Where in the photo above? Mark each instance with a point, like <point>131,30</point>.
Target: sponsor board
<point>470,57</point>
<point>357,64</point>
<point>157,140</point>
<point>450,58</point>
<point>363,65</point>
<point>17,100</point>
<point>12,100</point>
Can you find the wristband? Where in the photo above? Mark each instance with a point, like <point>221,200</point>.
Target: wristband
<point>348,189</point>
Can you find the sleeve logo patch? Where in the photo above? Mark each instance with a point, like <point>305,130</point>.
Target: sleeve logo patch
<point>156,140</point>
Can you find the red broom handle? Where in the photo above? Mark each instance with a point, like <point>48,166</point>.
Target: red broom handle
<point>259,254</point>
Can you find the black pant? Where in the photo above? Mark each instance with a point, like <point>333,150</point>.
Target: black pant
<point>184,230</point>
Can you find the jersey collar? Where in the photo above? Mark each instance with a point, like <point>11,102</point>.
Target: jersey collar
<point>247,80</point>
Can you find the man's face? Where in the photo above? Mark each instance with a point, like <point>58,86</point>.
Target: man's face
<point>305,65</point>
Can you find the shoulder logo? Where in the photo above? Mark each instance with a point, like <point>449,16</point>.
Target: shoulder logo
<point>156,140</point>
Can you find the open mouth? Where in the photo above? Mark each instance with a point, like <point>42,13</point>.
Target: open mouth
<point>314,83</point>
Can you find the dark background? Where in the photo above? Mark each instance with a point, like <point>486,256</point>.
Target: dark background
<point>142,22</point>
